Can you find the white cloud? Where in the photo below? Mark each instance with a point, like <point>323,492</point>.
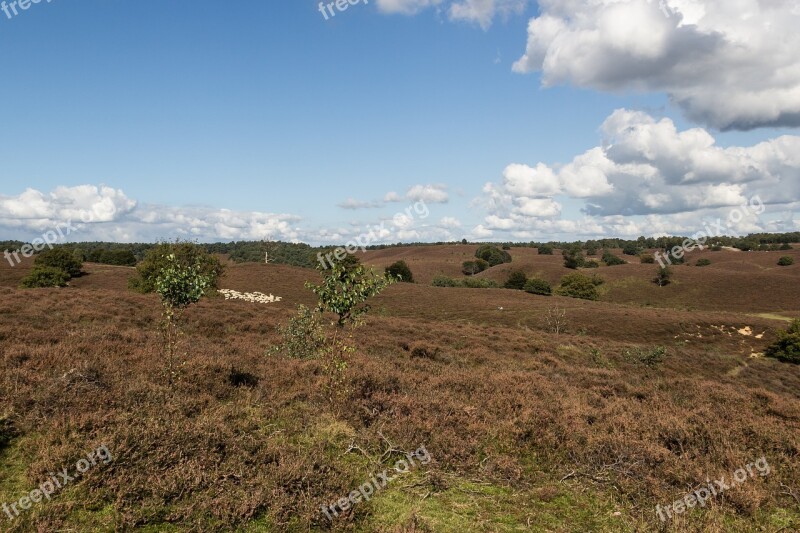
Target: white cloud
<point>392,197</point>
<point>353,204</point>
<point>647,169</point>
<point>430,194</point>
<point>481,12</point>
<point>450,222</point>
<point>728,64</point>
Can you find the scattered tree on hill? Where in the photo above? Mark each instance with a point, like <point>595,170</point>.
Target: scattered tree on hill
<point>545,249</point>
<point>516,280</point>
<point>492,255</point>
<point>785,261</point>
<point>179,286</point>
<point>631,248</point>
<point>345,288</point>
<point>592,247</point>
<point>787,347</point>
<point>44,276</point>
<point>612,260</point>
<point>400,271</point>
<point>538,286</point>
<point>578,285</point>
<point>186,254</point>
<point>591,263</point>
<point>785,246</point>
<point>573,257</point>
<point>470,268</point>
<point>647,259</point>
<point>663,276</point>
<point>60,258</point>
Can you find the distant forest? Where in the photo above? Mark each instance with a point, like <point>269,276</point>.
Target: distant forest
<point>304,255</point>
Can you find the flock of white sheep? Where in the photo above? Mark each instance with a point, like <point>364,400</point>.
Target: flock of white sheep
<point>255,297</point>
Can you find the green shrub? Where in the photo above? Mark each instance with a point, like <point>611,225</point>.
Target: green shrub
<point>478,283</point>
<point>470,268</point>
<point>186,254</point>
<point>545,249</point>
<point>612,260</point>
<point>785,246</point>
<point>60,258</point>
<point>304,336</point>
<point>45,276</point>
<point>399,270</point>
<point>649,357</point>
<point>785,261</point>
<point>573,257</point>
<point>445,281</point>
<point>492,255</point>
<point>663,276</point>
<point>787,347</point>
<point>631,248</point>
<point>591,263</point>
<point>516,280</point>
<point>538,286</point>
<point>647,259</point>
<point>578,285</point>
<point>703,262</point>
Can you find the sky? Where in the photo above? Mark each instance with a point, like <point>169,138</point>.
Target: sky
<point>398,120</point>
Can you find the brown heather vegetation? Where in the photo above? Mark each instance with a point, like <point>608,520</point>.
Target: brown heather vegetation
<point>528,430</point>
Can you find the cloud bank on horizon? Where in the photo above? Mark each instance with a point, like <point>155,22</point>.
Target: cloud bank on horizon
<point>647,178</point>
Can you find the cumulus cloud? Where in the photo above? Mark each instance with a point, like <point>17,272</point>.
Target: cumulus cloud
<point>430,194</point>
<point>481,12</point>
<point>645,168</point>
<point>729,65</point>
<point>354,204</point>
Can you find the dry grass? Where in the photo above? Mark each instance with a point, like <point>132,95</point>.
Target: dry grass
<point>528,430</point>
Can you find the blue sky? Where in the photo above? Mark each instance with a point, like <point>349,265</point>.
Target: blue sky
<point>189,108</point>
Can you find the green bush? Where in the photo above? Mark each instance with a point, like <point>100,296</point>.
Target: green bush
<point>578,285</point>
<point>445,281</point>
<point>631,249</point>
<point>187,254</point>
<point>304,336</point>
<point>545,249</point>
<point>703,262</point>
<point>787,347</point>
<point>573,257</point>
<point>470,268</point>
<point>649,357</point>
<point>612,260</point>
<point>785,246</point>
<point>647,259</point>
<point>492,255</point>
<point>591,263</point>
<point>785,261</point>
<point>663,276</point>
<point>60,258</point>
<point>538,286</point>
<point>478,283</point>
<point>45,276</point>
<point>399,270</point>
<point>516,280</point>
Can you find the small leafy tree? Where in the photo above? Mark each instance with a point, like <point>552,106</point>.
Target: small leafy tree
<point>647,259</point>
<point>538,286</point>
<point>578,285</point>
<point>612,260</point>
<point>492,254</point>
<point>573,257</point>
<point>785,261</point>
<point>787,347</point>
<point>545,249</point>
<point>785,246</point>
<point>345,288</point>
<point>400,271</point>
<point>186,254</point>
<point>179,286</point>
<point>44,276</point>
<point>60,258</point>
<point>516,280</point>
<point>470,268</point>
<point>304,336</point>
<point>663,276</point>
